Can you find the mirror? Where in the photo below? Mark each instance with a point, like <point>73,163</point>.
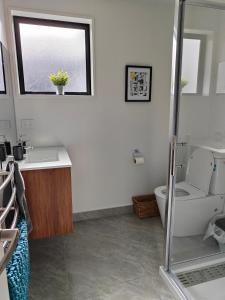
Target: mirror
<point>2,72</point>
<point>7,110</point>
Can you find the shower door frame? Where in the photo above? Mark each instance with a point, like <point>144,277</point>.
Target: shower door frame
<point>178,33</point>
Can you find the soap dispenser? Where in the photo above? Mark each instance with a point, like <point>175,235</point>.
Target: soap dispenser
<point>22,143</point>
<point>18,152</point>
<point>7,145</point>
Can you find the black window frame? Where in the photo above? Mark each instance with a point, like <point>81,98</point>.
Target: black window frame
<point>3,92</point>
<point>17,20</point>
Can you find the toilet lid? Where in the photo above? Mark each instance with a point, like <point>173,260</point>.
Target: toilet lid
<point>200,168</point>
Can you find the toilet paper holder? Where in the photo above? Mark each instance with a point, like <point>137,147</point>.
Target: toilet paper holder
<point>138,157</point>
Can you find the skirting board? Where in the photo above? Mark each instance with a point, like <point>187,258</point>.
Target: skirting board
<point>101,213</point>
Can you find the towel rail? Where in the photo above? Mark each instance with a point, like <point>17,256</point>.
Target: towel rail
<point>9,206</point>
<point>4,173</point>
<point>15,218</point>
<point>3,208</point>
<point>12,201</point>
<point>12,236</point>
<point>13,225</point>
<point>8,237</point>
<point>8,179</point>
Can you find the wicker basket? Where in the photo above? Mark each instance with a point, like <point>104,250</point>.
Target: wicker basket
<point>145,206</point>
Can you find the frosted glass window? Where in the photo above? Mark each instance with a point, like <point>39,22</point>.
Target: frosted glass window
<point>190,64</point>
<point>44,47</point>
<point>2,75</point>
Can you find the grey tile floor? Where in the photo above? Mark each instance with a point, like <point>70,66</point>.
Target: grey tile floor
<point>104,259</point>
<point>193,247</point>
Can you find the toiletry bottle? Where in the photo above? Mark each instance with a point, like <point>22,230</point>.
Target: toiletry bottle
<point>24,147</point>
<point>18,152</point>
<point>2,152</point>
<point>22,143</point>
<point>7,145</point>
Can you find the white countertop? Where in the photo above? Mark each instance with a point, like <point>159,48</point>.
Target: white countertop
<point>45,158</point>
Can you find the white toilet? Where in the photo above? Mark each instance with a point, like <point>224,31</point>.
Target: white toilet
<point>199,197</point>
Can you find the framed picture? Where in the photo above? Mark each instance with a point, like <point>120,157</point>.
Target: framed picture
<point>138,83</point>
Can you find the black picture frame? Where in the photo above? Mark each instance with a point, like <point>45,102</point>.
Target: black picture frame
<point>141,88</point>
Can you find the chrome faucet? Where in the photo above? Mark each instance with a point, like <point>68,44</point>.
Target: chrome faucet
<point>28,147</point>
<point>26,144</point>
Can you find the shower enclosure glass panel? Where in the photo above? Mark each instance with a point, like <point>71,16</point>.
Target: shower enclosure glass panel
<point>197,257</point>
<point>203,41</point>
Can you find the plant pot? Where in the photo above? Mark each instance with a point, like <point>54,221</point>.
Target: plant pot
<point>60,89</point>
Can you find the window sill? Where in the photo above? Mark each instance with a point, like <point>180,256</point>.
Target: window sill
<point>50,96</point>
<point>5,97</point>
<point>194,95</point>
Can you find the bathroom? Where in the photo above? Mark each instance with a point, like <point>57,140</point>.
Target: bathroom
<point>80,169</point>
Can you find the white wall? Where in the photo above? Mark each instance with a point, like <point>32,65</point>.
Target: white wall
<point>2,23</point>
<point>100,132</point>
<point>6,101</point>
<point>217,120</point>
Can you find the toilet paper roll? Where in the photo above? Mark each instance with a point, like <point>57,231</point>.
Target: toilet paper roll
<point>139,160</point>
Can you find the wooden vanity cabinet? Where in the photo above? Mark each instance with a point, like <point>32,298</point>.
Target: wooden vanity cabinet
<point>49,198</point>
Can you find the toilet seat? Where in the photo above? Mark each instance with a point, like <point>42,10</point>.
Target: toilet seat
<point>194,207</point>
<point>198,176</point>
<point>190,191</point>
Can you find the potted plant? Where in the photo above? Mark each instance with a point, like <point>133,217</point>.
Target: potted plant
<point>59,79</point>
<point>183,83</point>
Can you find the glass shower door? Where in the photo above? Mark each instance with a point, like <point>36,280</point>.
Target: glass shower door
<point>196,249</point>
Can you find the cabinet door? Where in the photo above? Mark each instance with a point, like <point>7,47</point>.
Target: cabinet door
<point>49,199</point>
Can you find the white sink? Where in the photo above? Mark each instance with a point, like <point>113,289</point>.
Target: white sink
<point>41,155</point>
<point>45,158</point>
